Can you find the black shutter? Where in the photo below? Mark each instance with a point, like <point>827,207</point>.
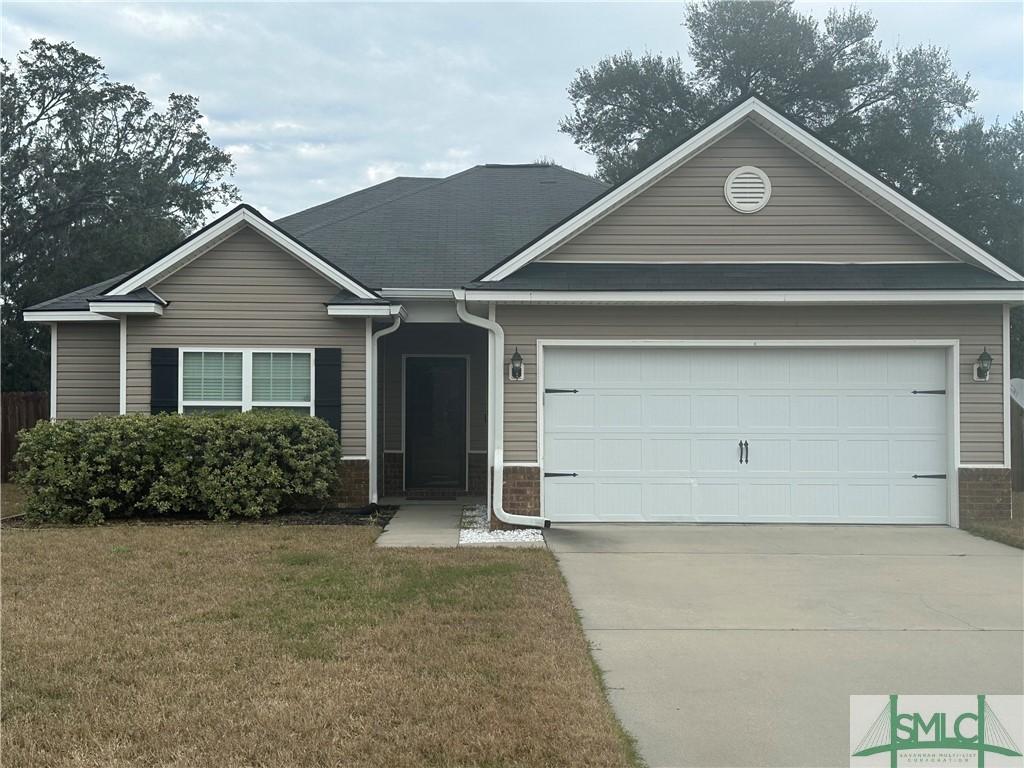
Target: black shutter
<point>327,378</point>
<point>163,380</point>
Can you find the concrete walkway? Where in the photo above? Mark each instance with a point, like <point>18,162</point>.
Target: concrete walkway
<point>424,524</point>
<point>741,645</point>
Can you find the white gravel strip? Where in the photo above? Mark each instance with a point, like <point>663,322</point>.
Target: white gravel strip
<point>475,532</point>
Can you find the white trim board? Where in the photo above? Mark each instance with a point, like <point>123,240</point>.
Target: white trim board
<point>952,347</point>
<point>365,310</point>
<point>66,316</point>
<point>1014,296</point>
<point>122,366</point>
<point>126,307</point>
<point>53,371</point>
<point>799,140</point>
<point>220,230</point>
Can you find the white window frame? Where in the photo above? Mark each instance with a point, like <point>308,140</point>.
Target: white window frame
<point>247,402</point>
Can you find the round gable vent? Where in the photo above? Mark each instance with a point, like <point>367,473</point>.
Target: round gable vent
<point>748,189</point>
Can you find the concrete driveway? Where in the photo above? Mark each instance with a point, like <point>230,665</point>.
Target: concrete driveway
<point>740,645</point>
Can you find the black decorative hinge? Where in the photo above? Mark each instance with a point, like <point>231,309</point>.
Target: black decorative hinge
<point>560,391</point>
<point>930,477</point>
<point>928,392</point>
<point>560,474</point>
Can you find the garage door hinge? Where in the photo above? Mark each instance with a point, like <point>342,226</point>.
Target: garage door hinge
<point>559,391</point>
<point>560,474</point>
<point>930,477</point>
<point>928,392</point>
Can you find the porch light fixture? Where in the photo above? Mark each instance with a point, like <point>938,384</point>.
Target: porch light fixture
<point>516,370</point>
<point>983,366</point>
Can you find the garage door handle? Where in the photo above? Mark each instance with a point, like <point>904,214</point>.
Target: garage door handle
<point>928,392</point>
<point>744,452</point>
<point>560,474</point>
<point>560,391</point>
<point>929,477</point>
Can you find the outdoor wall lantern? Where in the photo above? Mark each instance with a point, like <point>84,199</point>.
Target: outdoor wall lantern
<point>983,366</point>
<point>516,369</point>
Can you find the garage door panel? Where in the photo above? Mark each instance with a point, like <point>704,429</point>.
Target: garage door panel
<point>815,456</point>
<point>926,456</point>
<point>570,500</point>
<point>766,502</point>
<point>833,435</point>
<point>716,502</point>
<point>716,411</point>
<point>716,455</point>
<point>862,503</point>
<point>864,412</point>
<point>668,502</point>
<point>662,412</point>
<point>765,455</point>
<point>564,453</point>
<point>919,412</point>
<point>618,411</point>
<point>562,411</point>
<point>667,454</point>
<point>864,456</point>
<point>764,411</point>
<point>620,455</point>
<point>916,368</point>
<point>916,501</point>
<point>816,502</point>
<point>619,502</point>
<point>711,367</point>
<point>816,411</point>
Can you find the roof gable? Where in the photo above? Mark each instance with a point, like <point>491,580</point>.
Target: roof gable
<point>942,238</point>
<point>219,230</point>
<point>809,216</point>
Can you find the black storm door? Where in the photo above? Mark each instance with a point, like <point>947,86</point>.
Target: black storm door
<point>435,422</point>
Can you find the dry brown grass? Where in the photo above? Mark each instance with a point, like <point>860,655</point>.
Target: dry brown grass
<point>1005,531</point>
<point>229,645</point>
<point>11,499</point>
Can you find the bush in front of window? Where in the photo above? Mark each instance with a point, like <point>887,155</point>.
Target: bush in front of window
<point>219,466</point>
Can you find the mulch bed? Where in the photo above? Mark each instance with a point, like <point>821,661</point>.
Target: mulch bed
<point>379,515</point>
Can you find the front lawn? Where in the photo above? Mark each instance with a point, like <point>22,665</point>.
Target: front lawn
<point>277,645</point>
<point>1005,531</point>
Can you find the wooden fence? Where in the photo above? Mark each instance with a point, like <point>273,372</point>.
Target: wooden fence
<point>1017,444</point>
<point>18,410</point>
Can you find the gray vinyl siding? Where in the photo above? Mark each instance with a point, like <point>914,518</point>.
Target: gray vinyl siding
<point>247,292</point>
<point>981,403</point>
<point>432,339</point>
<point>88,359</point>
<point>810,216</point>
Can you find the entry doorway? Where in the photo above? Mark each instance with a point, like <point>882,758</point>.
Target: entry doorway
<point>435,395</point>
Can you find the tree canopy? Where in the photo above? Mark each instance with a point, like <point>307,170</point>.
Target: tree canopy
<point>96,181</point>
<point>904,115</point>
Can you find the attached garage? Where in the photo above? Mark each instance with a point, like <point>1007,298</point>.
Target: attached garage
<point>746,434</point>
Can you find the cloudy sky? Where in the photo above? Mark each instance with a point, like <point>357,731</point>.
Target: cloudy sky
<point>317,100</point>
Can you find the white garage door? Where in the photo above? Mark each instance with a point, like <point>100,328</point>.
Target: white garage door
<point>795,435</point>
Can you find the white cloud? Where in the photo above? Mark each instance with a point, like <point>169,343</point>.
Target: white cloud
<point>317,100</point>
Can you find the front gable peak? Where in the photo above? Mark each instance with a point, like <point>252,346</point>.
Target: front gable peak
<point>231,223</point>
<point>713,199</point>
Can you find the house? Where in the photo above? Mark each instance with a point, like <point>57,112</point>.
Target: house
<point>751,329</point>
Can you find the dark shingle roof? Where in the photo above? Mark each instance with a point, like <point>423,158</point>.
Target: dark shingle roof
<point>445,233</point>
<point>78,300</point>
<point>540,276</point>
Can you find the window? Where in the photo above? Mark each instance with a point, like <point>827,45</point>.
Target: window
<point>244,380</point>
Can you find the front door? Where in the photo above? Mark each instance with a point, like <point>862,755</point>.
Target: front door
<point>435,422</point>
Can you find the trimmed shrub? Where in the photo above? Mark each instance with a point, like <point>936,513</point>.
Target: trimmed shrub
<point>218,465</point>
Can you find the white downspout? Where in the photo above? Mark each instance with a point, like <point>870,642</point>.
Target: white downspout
<point>372,396</point>
<point>496,398</point>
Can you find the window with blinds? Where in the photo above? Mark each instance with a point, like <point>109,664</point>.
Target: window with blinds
<point>213,380</point>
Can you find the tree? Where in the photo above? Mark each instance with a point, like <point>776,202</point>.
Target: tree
<point>96,182</point>
<point>904,115</point>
